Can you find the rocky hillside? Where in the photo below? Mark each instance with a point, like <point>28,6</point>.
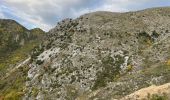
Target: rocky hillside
<point>101,55</point>
<point>16,44</point>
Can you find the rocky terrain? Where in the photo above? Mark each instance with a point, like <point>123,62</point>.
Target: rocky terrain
<point>101,56</point>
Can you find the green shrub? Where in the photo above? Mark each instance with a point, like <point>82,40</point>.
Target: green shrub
<point>155,34</point>
<point>158,97</point>
<point>39,62</point>
<point>35,92</point>
<point>13,95</point>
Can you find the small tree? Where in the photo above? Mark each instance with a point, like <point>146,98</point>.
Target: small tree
<point>155,34</point>
<point>39,62</point>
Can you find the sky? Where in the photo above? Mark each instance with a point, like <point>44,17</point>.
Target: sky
<point>45,14</point>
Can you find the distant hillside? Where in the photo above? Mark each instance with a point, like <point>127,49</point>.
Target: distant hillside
<point>13,35</point>
<point>17,42</point>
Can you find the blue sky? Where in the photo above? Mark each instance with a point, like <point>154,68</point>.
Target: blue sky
<point>46,13</point>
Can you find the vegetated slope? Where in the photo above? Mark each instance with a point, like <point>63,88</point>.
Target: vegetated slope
<point>16,44</point>
<point>102,55</point>
<point>13,35</point>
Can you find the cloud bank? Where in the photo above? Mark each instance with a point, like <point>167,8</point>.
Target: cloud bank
<point>46,13</point>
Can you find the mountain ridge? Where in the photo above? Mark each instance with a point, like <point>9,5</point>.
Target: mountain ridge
<point>100,55</point>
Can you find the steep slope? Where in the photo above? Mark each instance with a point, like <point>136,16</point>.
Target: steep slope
<point>17,43</point>
<point>102,55</point>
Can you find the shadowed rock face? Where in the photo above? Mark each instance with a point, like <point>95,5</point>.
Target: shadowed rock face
<point>102,55</point>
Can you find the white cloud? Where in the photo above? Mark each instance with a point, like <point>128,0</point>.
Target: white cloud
<point>44,13</point>
<point>121,5</point>
<point>1,13</point>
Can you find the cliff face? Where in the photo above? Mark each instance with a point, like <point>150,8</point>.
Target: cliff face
<point>13,35</point>
<point>101,55</point>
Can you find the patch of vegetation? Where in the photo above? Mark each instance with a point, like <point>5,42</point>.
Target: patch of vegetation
<point>16,56</point>
<point>111,71</point>
<point>11,88</point>
<point>39,62</point>
<point>34,92</point>
<point>129,68</point>
<point>66,70</point>
<point>63,45</point>
<point>13,36</point>
<point>145,39</point>
<point>36,52</point>
<point>37,33</point>
<point>73,78</point>
<point>13,95</point>
<point>167,31</point>
<point>158,97</point>
<point>168,62</point>
<point>154,34</point>
<point>72,92</point>
<point>144,36</point>
<point>49,45</point>
<point>109,34</point>
<point>16,44</point>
